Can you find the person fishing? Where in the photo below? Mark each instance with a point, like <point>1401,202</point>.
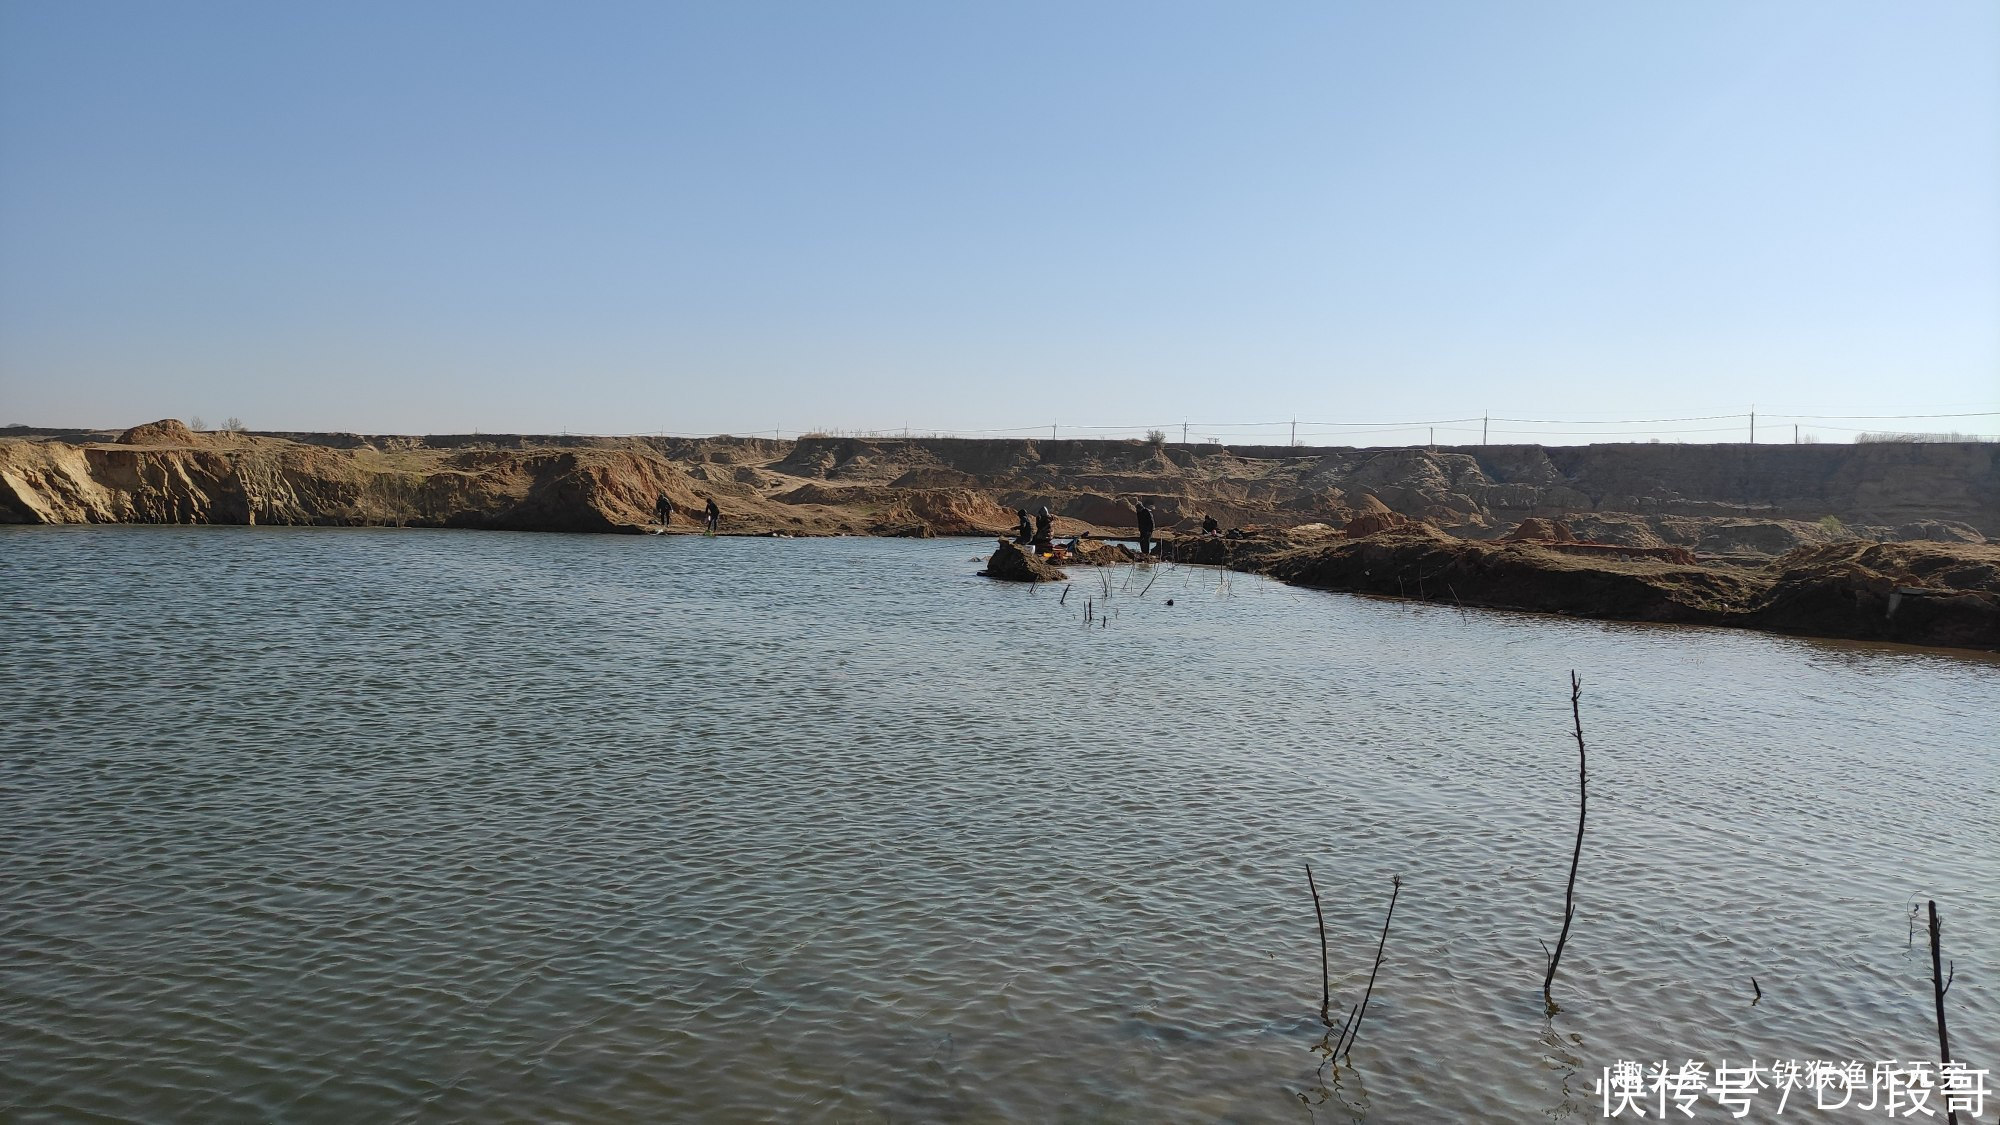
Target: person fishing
<point>1208,524</point>
<point>1044,529</point>
<point>1024,531</point>
<point>1145,515</point>
<point>712,516</point>
<point>664,510</point>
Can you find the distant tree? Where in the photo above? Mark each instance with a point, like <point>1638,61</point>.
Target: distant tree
<point>1156,437</point>
<point>234,424</point>
<point>195,422</point>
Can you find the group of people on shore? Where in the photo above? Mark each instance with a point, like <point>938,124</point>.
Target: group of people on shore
<point>711,515</point>
<point>1039,531</point>
<point>1143,516</point>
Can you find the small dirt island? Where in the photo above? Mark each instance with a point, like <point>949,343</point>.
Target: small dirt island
<point>1878,541</point>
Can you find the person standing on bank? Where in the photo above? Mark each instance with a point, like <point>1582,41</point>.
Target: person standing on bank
<point>713,516</point>
<point>1024,531</point>
<point>665,510</point>
<point>1145,515</point>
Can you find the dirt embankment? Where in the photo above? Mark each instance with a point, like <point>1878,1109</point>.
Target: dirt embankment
<point>1746,502</point>
<point>1915,593</point>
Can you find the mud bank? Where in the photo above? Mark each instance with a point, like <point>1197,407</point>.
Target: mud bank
<point>1912,593</point>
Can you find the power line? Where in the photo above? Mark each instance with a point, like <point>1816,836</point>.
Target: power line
<point>1884,417</point>
<point>1600,433</point>
<point>1617,421</point>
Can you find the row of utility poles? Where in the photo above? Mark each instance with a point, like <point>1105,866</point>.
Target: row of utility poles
<point>1485,421</point>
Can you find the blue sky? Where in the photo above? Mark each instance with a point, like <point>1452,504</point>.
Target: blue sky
<point>610,217</point>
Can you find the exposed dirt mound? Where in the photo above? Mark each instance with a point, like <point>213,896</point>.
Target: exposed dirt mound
<point>1012,563</point>
<point>1728,536</point>
<point>166,431</point>
<point>957,511</point>
<point>1537,530</point>
<point>1375,522</point>
<point>1096,552</point>
<point>1621,529</point>
<point>1914,592</point>
<point>1438,568</point>
<point>921,512</point>
<point>1939,531</point>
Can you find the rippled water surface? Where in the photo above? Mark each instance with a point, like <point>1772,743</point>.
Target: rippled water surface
<point>370,825</point>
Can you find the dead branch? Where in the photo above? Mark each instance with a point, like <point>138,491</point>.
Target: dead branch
<point>1576,856</point>
<point>1347,1046</point>
<point>1939,982</point>
<point>1325,985</point>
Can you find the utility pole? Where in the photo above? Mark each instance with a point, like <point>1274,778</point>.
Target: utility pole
<point>1184,433</point>
<point>1295,431</point>
<point>1753,424</point>
<point>1434,437</point>
<point>1052,431</point>
<point>1795,433</point>
<point>1483,419</point>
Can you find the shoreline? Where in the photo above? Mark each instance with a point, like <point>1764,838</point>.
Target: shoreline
<point>1929,595</point>
<point>1861,542</point>
<point>1824,594</point>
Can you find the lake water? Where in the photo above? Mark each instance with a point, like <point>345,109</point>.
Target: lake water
<point>377,825</point>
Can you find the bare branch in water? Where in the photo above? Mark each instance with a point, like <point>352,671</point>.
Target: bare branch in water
<point>1582,810</point>
<point>1325,987</point>
<point>1939,983</point>
<point>1340,1050</point>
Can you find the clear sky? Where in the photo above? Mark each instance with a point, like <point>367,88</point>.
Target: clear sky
<point>739,216</point>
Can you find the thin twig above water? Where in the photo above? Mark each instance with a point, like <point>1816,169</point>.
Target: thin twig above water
<point>1576,856</point>
<point>1350,1033</point>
